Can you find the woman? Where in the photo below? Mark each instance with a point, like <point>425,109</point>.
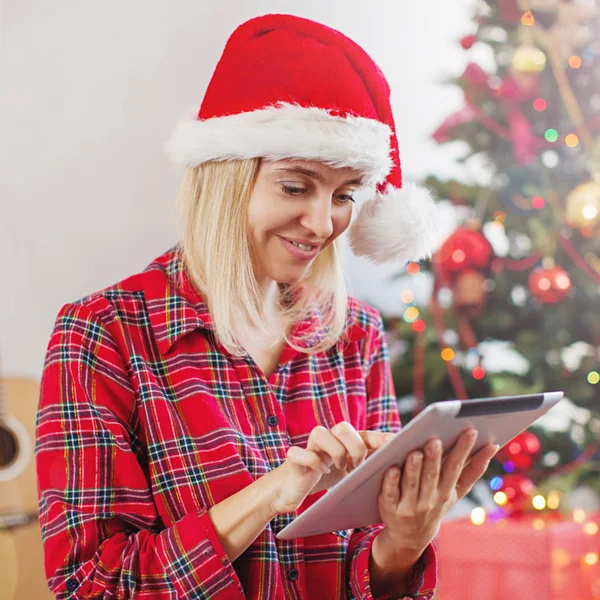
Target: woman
<point>189,412</point>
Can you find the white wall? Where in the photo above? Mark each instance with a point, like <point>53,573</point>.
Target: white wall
<point>90,91</point>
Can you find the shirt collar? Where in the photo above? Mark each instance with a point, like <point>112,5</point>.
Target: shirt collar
<point>176,308</point>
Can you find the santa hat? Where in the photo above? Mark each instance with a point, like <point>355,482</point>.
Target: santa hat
<point>287,87</point>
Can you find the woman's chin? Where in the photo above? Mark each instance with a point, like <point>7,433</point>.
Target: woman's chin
<point>287,275</point>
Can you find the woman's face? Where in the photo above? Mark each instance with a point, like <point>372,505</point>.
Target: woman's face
<point>297,209</point>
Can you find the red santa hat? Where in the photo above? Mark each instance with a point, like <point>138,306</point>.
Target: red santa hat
<point>287,87</point>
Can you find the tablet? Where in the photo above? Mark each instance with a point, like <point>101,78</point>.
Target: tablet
<point>352,502</point>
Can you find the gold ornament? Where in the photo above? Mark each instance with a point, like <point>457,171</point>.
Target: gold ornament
<point>583,206</point>
<point>528,59</point>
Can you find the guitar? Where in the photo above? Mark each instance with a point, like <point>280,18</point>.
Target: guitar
<point>22,574</point>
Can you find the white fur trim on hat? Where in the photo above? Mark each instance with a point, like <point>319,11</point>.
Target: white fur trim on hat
<point>282,131</point>
<point>399,225</point>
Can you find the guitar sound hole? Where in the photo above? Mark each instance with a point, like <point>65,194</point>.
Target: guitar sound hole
<point>8,447</point>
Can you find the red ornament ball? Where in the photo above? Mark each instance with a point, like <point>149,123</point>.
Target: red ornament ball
<point>522,451</point>
<point>465,249</point>
<point>468,41</point>
<point>549,285</point>
<point>519,490</point>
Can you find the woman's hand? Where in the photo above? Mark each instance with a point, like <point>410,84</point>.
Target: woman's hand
<point>329,456</point>
<point>412,505</point>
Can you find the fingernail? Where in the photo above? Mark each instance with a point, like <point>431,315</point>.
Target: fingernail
<point>393,472</point>
<point>496,448</point>
<point>416,459</point>
<point>435,448</point>
<point>325,469</point>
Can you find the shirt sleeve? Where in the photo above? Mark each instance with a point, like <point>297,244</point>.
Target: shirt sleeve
<point>101,533</point>
<point>382,415</point>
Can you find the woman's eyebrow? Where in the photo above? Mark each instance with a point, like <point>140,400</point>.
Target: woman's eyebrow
<point>317,176</point>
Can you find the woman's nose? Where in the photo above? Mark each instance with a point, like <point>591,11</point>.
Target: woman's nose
<point>317,217</point>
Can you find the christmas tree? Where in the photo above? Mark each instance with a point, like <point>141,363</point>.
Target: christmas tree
<point>520,276</point>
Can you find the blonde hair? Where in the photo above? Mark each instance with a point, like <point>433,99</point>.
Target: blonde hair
<point>217,251</point>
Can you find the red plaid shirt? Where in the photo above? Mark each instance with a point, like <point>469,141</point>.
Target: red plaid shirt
<point>145,422</point>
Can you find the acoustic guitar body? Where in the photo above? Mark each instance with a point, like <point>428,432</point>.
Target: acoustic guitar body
<point>22,574</point>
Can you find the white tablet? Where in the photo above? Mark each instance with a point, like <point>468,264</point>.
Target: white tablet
<point>352,502</point>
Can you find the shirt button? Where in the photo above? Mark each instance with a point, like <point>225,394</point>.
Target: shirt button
<point>292,574</point>
<point>72,584</point>
<point>272,420</point>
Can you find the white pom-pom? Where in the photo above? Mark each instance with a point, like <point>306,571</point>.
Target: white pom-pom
<point>398,225</point>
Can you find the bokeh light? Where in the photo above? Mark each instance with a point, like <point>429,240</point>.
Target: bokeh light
<point>500,498</point>
<point>478,516</point>
<point>447,354</point>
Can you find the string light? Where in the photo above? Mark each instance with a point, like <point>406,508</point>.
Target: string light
<point>509,466</point>
<point>593,377</point>
<point>551,135</point>
<point>591,558</point>
<point>571,140</point>
<point>553,500</point>
<point>574,62</point>
<point>539,502</point>
<point>447,354</point>
<point>407,296</point>
<point>539,104</point>
<point>478,373</point>
<point>411,314</point>
<point>419,326</point>
<point>538,202</point>
<point>500,498</point>
<point>412,268</point>
<point>579,515</point>
<point>496,483</point>
<point>478,516</point>
<point>591,528</point>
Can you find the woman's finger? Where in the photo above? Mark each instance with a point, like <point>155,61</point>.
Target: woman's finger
<point>328,447</point>
<point>455,463</point>
<point>411,476</point>
<point>430,473</point>
<point>306,458</point>
<point>374,440</point>
<point>475,469</point>
<point>356,449</point>
<point>390,490</point>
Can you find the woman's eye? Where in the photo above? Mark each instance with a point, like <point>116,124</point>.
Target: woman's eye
<point>292,191</point>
